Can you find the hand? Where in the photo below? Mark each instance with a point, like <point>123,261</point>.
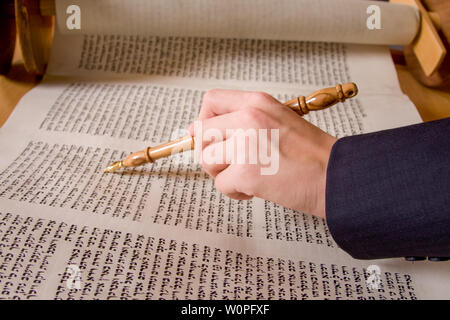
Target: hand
<point>298,182</point>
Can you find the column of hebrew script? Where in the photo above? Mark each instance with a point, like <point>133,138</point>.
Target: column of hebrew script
<point>173,191</point>
<point>222,59</point>
<point>162,230</point>
<point>248,63</point>
<point>57,170</point>
<point>50,258</point>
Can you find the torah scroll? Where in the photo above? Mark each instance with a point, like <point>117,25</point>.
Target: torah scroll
<point>347,21</point>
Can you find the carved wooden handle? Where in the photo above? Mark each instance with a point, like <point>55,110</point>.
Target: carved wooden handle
<point>323,98</point>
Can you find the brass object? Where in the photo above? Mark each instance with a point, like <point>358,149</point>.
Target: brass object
<point>318,100</point>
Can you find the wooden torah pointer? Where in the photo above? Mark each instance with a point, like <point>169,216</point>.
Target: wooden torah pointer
<point>318,100</point>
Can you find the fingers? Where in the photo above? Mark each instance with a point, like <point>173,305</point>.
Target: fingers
<point>214,163</point>
<point>222,113</point>
<point>222,127</point>
<point>243,106</point>
<point>237,181</point>
<point>217,102</point>
<point>227,182</point>
<point>216,125</point>
<point>213,158</point>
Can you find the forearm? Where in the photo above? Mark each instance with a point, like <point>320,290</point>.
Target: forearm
<point>388,193</point>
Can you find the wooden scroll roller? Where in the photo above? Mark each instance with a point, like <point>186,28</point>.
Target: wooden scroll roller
<point>427,56</point>
<point>318,100</point>
<point>34,32</point>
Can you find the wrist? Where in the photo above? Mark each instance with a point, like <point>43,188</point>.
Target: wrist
<point>322,180</point>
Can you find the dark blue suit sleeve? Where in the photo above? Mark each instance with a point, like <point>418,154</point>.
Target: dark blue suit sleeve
<point>388,192</point>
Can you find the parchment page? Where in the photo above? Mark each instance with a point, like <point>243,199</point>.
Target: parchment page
<point>304,66</point>
<point>162,230</point>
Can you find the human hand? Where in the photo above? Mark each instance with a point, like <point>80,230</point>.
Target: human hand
<point>302,150</point>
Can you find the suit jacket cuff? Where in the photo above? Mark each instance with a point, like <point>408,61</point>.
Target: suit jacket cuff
<point>387,193</point>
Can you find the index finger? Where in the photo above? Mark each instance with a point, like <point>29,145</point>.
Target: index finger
<point>218,101</point>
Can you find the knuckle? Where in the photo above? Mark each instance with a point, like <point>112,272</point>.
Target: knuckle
<point>252,115</point>
<point>247,180</point>
<point>220,185</point>
<point>211,169</point>
<point>260,98</point>
<point>255,117</point>
<point>242,172</point>
<point>210,95</point>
